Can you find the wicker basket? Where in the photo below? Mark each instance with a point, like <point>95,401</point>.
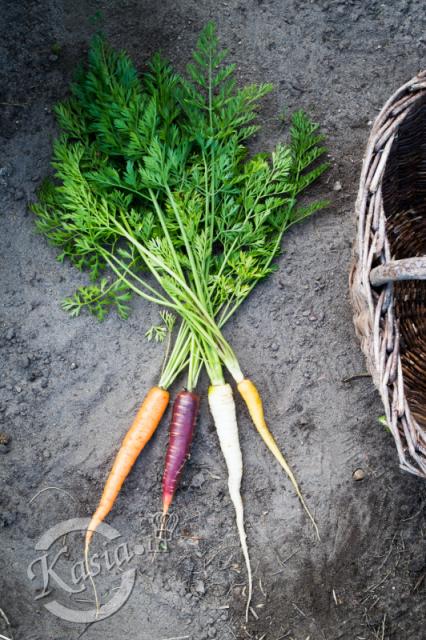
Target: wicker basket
<point>388,277</point>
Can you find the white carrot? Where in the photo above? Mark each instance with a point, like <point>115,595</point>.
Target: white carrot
<point>222,406</point>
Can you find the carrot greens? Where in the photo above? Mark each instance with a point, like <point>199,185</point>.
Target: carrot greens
<point>164,170</point>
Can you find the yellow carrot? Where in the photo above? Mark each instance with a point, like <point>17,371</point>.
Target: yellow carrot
<point>254,404</point>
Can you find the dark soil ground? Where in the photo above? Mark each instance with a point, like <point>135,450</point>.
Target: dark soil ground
<point>69,387</point>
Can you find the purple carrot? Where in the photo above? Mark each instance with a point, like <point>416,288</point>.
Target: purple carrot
<point>182,426</point>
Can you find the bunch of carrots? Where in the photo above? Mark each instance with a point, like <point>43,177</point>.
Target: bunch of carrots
<point>156,195</point>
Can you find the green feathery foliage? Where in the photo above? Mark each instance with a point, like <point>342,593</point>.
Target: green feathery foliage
<point>152,175</point>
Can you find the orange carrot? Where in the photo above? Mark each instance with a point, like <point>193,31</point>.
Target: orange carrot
<point>144,425</point>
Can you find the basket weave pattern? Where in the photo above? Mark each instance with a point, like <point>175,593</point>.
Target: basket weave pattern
<point>388,277</point>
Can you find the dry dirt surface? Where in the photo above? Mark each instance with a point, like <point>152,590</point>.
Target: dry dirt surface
<point>69,387</point>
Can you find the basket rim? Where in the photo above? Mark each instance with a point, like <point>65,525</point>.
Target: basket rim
<point>374,318</point>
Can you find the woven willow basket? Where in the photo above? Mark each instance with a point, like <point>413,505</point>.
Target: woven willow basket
<point>388,277</point>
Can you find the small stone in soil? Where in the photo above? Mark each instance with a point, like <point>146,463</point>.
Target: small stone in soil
<point>199,587</point>
<point>4,438</point>
<point>337,186</point>
<point>358,474</point>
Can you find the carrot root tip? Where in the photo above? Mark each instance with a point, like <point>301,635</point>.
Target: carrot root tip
<point>167,501</point>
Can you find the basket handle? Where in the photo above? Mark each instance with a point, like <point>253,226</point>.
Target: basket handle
<point>396,270</point>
